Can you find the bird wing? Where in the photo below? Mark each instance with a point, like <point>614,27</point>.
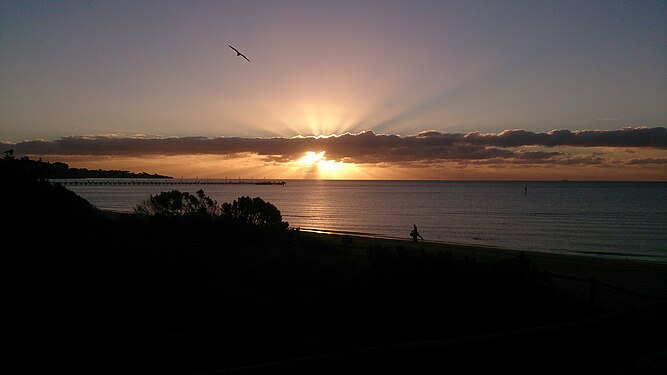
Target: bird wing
<point>238,53</point>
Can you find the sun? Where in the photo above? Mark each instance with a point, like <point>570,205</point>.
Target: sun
<point>317,165</point>
<point>311,158</point>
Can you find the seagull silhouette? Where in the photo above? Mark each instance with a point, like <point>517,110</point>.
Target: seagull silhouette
<point>238,53</point>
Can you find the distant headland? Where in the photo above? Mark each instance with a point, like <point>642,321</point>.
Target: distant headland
<point>58,170</point>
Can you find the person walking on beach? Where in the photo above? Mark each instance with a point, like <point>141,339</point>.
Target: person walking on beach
<point>415,234</point>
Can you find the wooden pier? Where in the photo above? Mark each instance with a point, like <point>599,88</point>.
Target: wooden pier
<point>161,182</point>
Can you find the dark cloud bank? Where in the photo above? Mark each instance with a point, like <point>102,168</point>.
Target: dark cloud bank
<point>368,147</point>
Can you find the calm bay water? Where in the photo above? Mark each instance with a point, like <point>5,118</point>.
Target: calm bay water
<point>626,219</point>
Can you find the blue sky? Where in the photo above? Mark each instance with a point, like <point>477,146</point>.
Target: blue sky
<point>163,69</point>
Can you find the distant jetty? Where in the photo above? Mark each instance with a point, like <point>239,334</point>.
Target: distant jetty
<point>126,182</point>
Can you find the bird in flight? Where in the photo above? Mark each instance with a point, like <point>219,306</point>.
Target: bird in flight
<point>238,53</point>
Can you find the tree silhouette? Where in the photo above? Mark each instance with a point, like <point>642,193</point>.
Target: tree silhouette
<point>254,211</point>
<point>9,154</point>
<point>244,210</point>
<point>177,203</point>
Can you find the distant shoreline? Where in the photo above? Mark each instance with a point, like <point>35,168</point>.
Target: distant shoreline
<point>390,180</point>
<point>62,171</point>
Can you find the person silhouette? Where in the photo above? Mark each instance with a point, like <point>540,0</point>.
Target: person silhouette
<point>415,234</point>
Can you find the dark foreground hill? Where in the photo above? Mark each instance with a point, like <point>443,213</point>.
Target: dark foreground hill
<point>89,292</point>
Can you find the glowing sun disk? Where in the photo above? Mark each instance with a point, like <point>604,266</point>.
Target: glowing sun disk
<point>311,157</point>
<point>324,168</point>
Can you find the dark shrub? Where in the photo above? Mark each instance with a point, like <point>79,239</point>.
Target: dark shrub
<point>177,203</point>
<point>254,211</point>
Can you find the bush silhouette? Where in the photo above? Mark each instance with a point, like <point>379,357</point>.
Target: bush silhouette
<point>254,211</point>
<point>176,203</point>
<point>244,210</point>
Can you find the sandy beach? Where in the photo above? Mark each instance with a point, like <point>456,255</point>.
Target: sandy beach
<point>620,282</point>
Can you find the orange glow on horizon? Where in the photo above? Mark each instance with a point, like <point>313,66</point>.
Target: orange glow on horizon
<point>315,165</point>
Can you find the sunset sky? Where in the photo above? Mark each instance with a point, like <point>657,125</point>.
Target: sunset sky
<point>340,89</point>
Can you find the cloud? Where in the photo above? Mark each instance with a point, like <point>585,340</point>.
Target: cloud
<point>648,161</point>
<point>560,160</point>
<point>366,147</point>
<point>625,137</point>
